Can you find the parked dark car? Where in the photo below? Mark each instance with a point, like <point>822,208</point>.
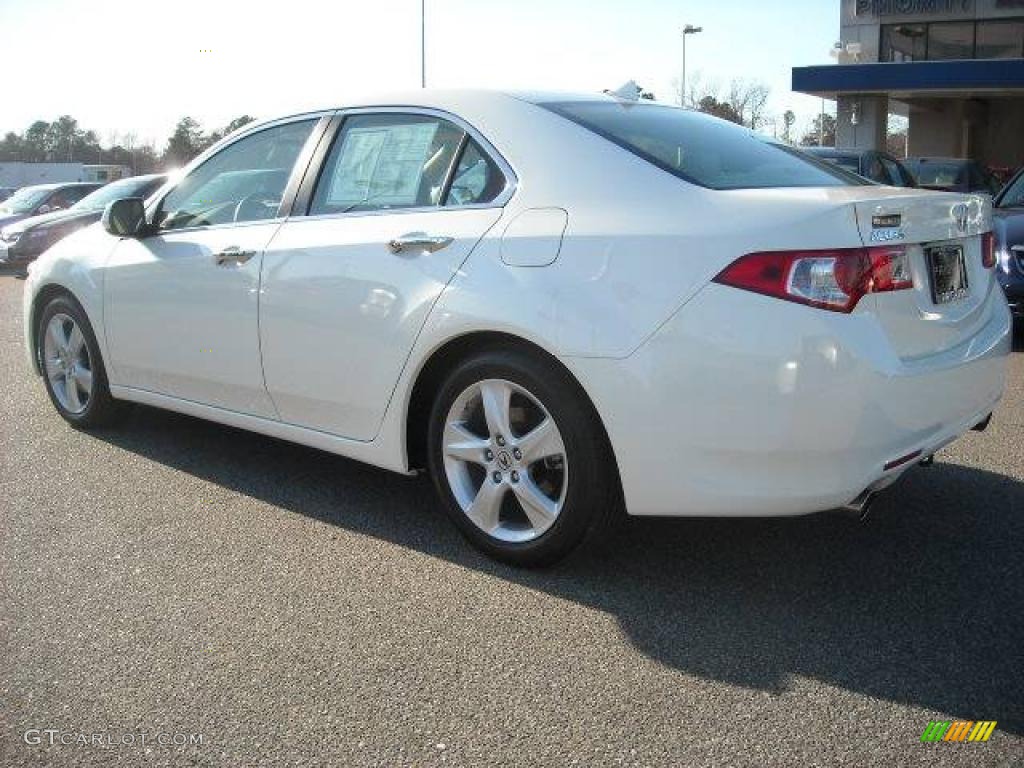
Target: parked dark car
<point>24,240</point>
<point>42,198</point>
<point>6,192</point>
<point>873,165</point>
<point>952,174</point>
<point>1008,222</point>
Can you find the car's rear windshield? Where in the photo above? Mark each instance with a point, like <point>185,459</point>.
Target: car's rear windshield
<point>130,187</point>
<point>939,174</point>
<point>849,162</point>
<point>698,148</point>
<point>25,199</point>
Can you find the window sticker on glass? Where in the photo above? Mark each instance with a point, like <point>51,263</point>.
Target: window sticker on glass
<point>382,165</point>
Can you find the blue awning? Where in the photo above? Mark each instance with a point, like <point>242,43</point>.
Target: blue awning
<point>919,77</point>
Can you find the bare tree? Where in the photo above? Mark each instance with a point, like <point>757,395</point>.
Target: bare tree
<point>896,135</point>
<point>744,102</point>
<point>749,100</point>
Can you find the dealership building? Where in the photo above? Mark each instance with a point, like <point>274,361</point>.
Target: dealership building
<point>955,68</point>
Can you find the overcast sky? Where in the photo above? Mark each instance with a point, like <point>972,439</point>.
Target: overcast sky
<point>138,66</point>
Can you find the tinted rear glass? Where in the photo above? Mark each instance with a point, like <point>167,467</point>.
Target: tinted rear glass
<point>698,148</point>
<point>948,175</point>
<point>843,161</point>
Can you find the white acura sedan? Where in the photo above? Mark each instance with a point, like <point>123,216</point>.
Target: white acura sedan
<point>557,305</point>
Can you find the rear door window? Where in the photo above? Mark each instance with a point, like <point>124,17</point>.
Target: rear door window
<point>389,161</point>
<point>477,178</point>
<point>698,148</point>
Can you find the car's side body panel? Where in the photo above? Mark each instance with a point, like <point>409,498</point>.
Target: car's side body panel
<point>333,283</point>
<point>76,264</point>
<point>180,324</point>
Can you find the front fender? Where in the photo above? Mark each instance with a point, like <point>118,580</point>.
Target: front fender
<point>74,265</point>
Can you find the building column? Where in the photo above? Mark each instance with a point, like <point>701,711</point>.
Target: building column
<point>937,128</point>
<point>862,122</point>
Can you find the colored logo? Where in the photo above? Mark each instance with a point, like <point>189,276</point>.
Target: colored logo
<point>958,730</point>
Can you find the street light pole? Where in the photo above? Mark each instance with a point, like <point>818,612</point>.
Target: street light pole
<point>689,29</point>
<point>423,43</point>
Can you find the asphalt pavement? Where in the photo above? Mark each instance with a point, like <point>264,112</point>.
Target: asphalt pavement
<point>178,578</point>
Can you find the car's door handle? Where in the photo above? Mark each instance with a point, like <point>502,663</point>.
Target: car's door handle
<point>232,255</point>
<point>419,242</point>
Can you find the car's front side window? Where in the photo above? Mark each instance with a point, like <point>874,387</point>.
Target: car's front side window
<point>387,161</point>
<point>66,197</point>
<point>245,181</point>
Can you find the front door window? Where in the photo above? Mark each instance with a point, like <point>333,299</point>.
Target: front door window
<point>243,182</point>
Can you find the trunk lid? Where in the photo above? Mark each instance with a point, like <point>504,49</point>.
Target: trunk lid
<point>942,235</point>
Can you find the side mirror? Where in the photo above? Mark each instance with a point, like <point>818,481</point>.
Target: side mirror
<point>125,217</point>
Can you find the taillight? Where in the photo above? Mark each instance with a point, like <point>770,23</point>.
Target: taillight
<point>988,250</point>
<point>828,279</point>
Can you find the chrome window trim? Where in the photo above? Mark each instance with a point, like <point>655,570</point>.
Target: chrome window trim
<point>395,211</point>
<point>511,178</point>
<point>228,225</point>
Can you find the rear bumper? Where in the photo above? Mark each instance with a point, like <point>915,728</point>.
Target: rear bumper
<point>742,405</point>
<point>16,257</point>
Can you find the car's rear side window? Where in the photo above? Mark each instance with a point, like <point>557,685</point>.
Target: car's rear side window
<point>698,148</point>
<point>387,161</point>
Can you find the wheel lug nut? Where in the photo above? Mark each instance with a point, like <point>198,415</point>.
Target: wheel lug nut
<point>497,477</point>
<point>518,454</point>
<point>500,440</point>
<point>489,454</point>
<point>515,476</point>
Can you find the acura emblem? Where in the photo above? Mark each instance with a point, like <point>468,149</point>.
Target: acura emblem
<point>960,213</point>
<point>504,461</point>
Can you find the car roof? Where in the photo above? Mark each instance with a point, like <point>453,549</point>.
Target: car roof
<point>833,152</point>
<point>142,177</point>
<point>443,99</point>
<point>63,184</point>
<point>939,160</point>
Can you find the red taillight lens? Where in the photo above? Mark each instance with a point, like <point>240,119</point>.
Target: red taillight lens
<point>830,279</point>
<point>988,250</point>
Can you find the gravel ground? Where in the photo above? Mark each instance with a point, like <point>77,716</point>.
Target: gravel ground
<point>173,576</point>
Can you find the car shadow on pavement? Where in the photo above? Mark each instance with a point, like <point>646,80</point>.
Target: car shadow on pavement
<point>921,604</point>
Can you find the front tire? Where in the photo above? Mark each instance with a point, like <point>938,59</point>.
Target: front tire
<point>73,371</point>
<point>519,458</point>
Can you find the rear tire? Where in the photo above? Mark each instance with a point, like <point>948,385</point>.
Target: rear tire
<point>73,371</point>
<point>519,458</point>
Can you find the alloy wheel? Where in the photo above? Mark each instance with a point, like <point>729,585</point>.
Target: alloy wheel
<point>505,460</point>
<point>67,363</point>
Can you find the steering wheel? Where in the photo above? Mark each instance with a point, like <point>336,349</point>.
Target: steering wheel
<point>253,207</point>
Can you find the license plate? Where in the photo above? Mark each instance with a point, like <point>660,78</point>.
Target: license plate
<point>949,273</point>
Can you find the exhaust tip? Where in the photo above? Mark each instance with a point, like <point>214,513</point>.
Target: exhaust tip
<point>861,506</point>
